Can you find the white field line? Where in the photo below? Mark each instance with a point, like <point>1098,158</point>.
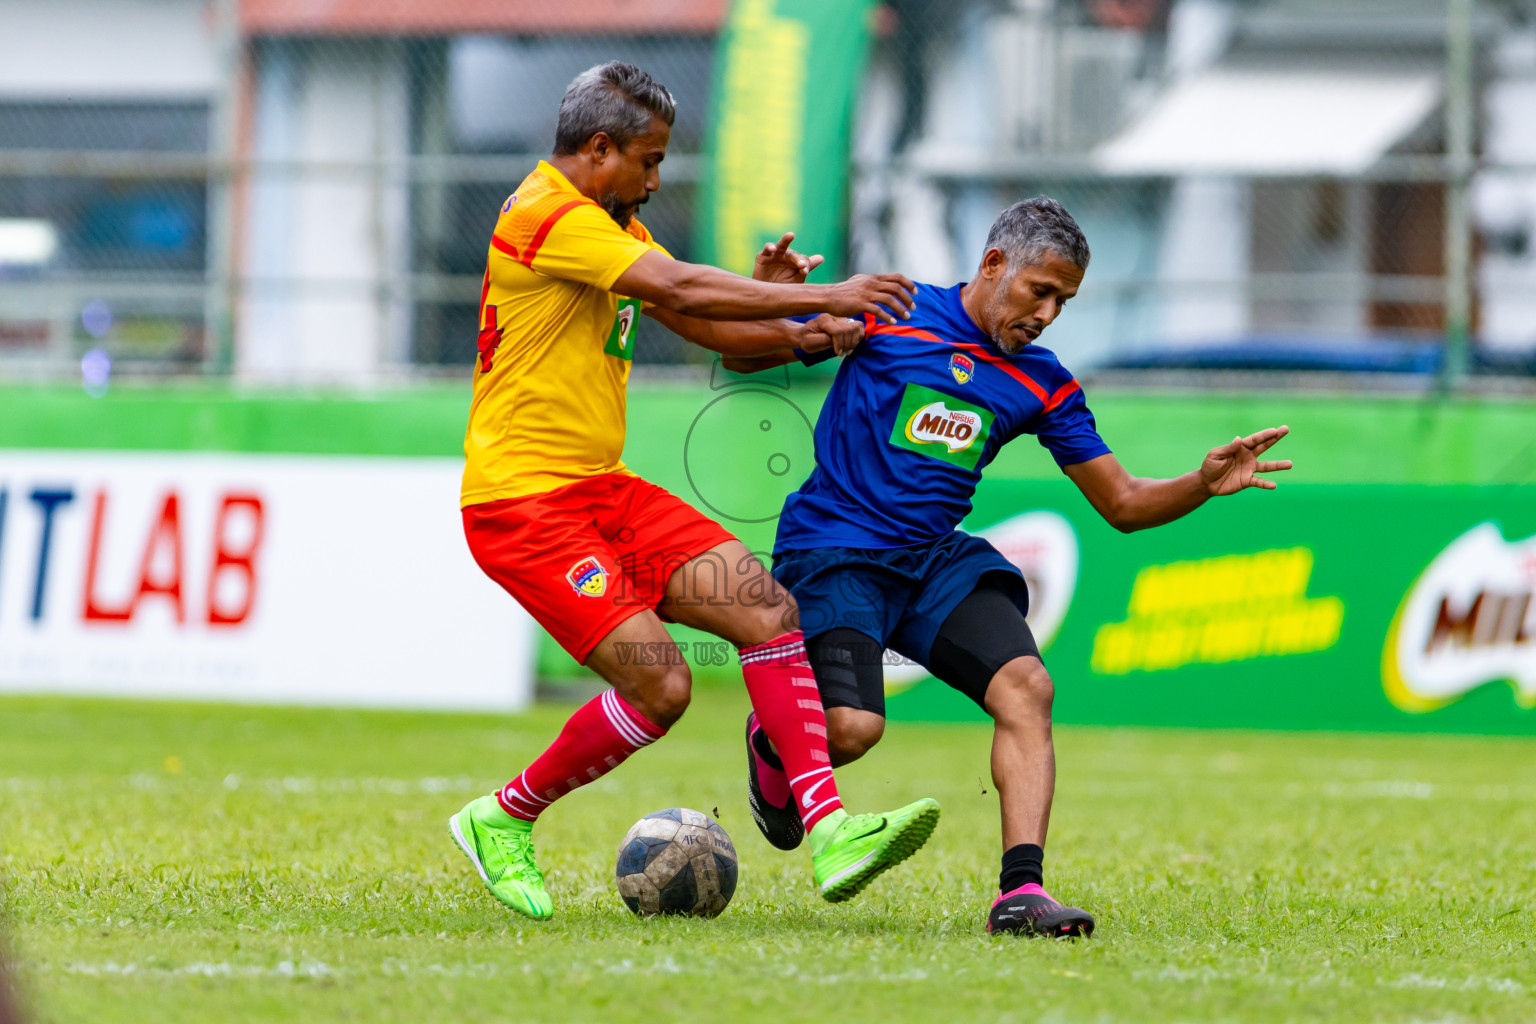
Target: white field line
<point>665,966</point>
<point>1371,789</point>
<point>1390,788</point>
<point>305,968</point>
<point>276,786</point>
<point>1212,788</point>
<point>395,968</point>
<point>197,969</point>
<point>1473,983</point>
<point>1329,979</point>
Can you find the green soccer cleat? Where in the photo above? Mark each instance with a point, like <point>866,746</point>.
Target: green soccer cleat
<point>501,848</point>
<point>849,852</point>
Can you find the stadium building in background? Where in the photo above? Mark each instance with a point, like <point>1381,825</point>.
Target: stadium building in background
<point>299,192</point>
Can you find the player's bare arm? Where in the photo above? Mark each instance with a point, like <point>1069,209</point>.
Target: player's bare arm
<point>762,343</point>
<point>711,293</point>
<point>1130,503</point>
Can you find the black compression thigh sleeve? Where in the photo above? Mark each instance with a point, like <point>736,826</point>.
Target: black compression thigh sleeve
<point>849,667</point>
<point>982,634</point>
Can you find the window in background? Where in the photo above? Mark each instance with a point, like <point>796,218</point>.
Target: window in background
<point>132,241</point>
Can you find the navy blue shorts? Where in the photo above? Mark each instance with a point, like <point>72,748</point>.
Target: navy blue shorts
<point>898,596</point>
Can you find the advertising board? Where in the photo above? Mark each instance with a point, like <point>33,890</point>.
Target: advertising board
<point>1385,585</point>
<point>293,579</point>
<point>1394,607</point>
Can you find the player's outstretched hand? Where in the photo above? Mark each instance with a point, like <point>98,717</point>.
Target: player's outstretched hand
<point>779,264</point>
<point>838,333</point>
<point>1233,466</point>
<point>887,296</point>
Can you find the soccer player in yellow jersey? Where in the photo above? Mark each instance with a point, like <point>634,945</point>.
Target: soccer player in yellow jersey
<point>600,556</point>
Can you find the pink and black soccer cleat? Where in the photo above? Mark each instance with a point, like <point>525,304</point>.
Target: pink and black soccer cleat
<point>1030,910</point>
<point>769,797</point>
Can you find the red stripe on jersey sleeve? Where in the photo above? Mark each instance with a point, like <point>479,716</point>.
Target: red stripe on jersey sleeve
<point>505,246</point>
<point>539,236</point>
<point>1011,370</point>
<point>1061,394</point>
<point>1017,374</point>
<point>904,331</point>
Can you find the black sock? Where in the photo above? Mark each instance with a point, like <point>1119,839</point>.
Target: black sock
<point>1021,865</point>
<point>765,749</point>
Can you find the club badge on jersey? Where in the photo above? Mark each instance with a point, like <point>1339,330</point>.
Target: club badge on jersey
<point>961,367</point>
<point>588,577</point>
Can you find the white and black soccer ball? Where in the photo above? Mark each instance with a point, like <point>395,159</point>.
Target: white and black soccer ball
<point>677,861</point>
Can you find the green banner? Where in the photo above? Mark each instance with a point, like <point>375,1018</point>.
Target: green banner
<point>1312,607</point>
<point>786,78</point>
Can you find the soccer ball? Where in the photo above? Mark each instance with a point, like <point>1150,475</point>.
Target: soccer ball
<point>677,861</point>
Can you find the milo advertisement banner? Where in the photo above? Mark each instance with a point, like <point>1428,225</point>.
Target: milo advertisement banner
<point>1310,607</point>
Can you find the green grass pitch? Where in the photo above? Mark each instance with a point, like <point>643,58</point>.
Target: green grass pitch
<point>169,862</point>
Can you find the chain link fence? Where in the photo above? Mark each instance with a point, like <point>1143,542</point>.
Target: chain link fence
<point>316,206</point>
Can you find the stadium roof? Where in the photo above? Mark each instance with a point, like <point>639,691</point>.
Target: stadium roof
<point>1274,122</point>
<point>451,17</point>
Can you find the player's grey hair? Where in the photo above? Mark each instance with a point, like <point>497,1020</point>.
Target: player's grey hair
<point>617,99</point>
<point>1029,231</point>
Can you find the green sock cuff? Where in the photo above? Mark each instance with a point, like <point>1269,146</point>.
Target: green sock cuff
<point>822,833</point>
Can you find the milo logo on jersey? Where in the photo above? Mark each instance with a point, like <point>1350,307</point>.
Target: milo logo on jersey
<point>941,426</point>
<point>1469,620</point>
<point>621,339</point>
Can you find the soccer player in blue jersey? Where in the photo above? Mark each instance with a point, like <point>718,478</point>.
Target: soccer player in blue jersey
<point>870,548</point>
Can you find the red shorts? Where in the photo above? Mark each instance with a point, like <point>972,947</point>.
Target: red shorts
<point>584,557</point>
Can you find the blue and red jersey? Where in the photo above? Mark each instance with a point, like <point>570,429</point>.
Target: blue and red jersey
<point>914,415</point>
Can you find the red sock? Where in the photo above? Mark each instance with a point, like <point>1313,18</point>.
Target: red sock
<point>596,739</point>
<point>788,706</point>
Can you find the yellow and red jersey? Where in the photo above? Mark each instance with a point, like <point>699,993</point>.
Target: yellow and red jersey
<point>555,343</point>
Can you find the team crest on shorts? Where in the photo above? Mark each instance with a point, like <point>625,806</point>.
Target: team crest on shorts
<point>961,367</point>
<point>588,577</point>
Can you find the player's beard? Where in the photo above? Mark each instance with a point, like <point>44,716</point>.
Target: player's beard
<point>620,210</point>
<point>997,312</point>
<point>1008,343</point>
